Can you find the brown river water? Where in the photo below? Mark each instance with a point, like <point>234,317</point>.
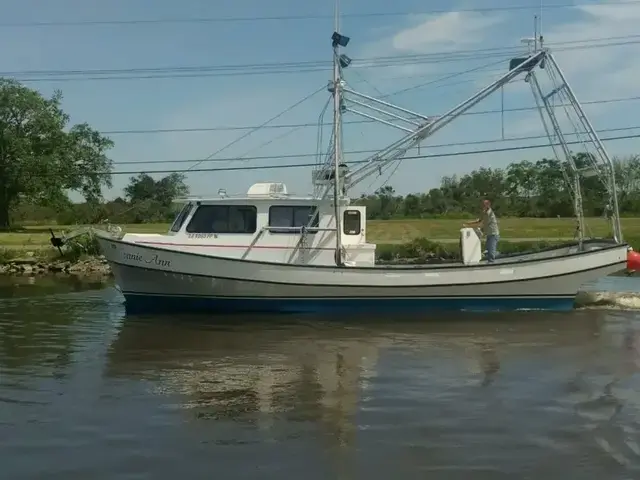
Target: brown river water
<point>88,393</point>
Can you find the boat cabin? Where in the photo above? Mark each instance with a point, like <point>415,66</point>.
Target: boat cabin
<point>267,224</point>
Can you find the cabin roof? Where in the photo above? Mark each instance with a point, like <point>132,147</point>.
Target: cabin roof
<point>260,193</point>
<point>233,199</point>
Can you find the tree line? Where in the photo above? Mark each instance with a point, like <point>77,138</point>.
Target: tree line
<point>523,189</point>
<point>43,158</point>
<point>145,200</point>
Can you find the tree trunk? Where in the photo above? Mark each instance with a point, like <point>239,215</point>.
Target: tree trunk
<point>4,218</point>
<point>4,214</point>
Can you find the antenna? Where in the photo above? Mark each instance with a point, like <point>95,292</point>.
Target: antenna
<point>539,29</point>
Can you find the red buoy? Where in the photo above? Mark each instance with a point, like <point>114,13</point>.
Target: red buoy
<point>633,260</point>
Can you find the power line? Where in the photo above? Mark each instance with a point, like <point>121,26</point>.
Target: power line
<point>356,152</point>
<point>238,70</point>
<point>355,162</point>
<point>281,68</point>
<point>302,17</point>
<point>441,76</point>
<point>247,67</point>
<point>204,74</point>
<point>322,62</point>
<point>316,124</point>
<point>446,77</point>
<point>310,63</point>
<point>301,101</point>
<point>307,97</point>
<point>307,63</point>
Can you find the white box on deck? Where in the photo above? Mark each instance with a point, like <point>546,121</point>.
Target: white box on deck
<point>470,246</point>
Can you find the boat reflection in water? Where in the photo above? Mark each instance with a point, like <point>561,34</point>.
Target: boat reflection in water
<point>267,372</point>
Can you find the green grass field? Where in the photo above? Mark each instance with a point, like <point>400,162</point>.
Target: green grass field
<point>379,231</point>
<point>511,229</point>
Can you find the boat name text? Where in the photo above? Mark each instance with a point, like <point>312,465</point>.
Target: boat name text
<point>155,259</point>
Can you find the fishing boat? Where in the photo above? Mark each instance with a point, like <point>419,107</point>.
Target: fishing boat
<point>272,251</point>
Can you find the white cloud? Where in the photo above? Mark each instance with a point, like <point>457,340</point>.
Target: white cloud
<point>424,34</point>
<point>616,13</point>
<point>595,73</point>
<point>593,68</point>
<point>448,31</point>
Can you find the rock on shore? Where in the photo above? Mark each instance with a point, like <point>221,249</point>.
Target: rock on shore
<point>34,266</point>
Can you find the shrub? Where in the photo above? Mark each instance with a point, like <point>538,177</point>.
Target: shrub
<point>422,249</point>
<point>79,247</point>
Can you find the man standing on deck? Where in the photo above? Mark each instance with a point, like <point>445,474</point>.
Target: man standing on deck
<point>489,224</point>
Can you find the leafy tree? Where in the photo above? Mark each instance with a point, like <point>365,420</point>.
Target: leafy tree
<point>41,160</point>
<point>153,199</point>
<point>627,171</point>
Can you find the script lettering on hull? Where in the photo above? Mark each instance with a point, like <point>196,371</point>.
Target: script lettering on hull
<point>152,260</point>
<point>132,256</point>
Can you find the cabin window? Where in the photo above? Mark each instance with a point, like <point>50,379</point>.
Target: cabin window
<point>181,217</point>
<point>223,219</point>
<point>351,222</point>
<point>292,217</point>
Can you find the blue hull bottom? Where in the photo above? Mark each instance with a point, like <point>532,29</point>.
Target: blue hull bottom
<point>144,303</point>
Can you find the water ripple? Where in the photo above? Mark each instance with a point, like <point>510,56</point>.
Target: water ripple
<point>88,393</point>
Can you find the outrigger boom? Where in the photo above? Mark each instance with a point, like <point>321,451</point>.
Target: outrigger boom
<point>426,126</point>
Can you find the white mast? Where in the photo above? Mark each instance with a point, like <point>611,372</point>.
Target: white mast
<point>337,41</point>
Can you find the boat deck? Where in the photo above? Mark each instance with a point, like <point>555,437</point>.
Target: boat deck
<point>508,259</point>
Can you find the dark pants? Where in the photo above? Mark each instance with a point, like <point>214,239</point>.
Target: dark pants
<point>492,247</point>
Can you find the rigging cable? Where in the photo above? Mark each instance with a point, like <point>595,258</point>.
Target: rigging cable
<point>233,142</point>
<point>346,122</point>
<point>356,152</point>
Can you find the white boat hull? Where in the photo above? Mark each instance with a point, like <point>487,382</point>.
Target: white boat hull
<point>161,280</point>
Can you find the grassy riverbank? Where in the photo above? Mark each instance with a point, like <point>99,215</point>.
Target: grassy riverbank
<point>396,239</point>
<point>379,231</point>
